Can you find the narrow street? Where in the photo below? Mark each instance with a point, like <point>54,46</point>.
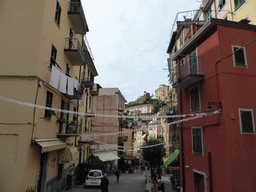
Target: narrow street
<point>127,183</point>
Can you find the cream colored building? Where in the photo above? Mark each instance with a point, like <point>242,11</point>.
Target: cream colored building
<point>234,10</point>
<point>162,93</point>
<point>41,42</point>
<point>140,110</point>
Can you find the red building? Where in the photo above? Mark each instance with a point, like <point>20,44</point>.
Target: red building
<point>218,65</point>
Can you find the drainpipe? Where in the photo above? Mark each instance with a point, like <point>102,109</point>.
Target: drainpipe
<point>34,113</point>
<point>210,170</point>
<point>77,108</point>
<point>182,145</point>
<point>182,141</point>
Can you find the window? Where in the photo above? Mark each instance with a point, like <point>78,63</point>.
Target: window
<point>199,181</point>
<point>57,13</point>
<point>209,14</point>
<point>221,3</point>
<point>53,56</point>
<point>182,62</point>
<point>48,113</point>
<point>193,69</point>
<point>181,39</point>
<point>84,72</point>
<point>197,144</point>
<point>194,99</point>
<point>74,115</point>
<point>238,3</point>
<point>67,70</point>
<point>239,56</point>
<point>60,171</point>
<point>246,121</point>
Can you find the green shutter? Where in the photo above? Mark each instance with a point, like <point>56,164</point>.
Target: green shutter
<point>193,62</point>
<point>209,14</point>
<point>221,3</point>
<point>181,40</point>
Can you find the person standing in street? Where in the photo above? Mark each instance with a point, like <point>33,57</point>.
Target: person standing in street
<point>104,183</point>
<point>117,173</point>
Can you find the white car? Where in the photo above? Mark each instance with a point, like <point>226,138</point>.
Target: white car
<point>94,178</point>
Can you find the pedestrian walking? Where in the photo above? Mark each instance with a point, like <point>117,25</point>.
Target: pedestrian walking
<point>117,173</point>
<point>104,183</point>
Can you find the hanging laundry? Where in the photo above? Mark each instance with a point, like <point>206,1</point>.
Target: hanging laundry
<point>70,86</point>
<point>76,84</point>
<point>55,77</point>
<point>63,83</point>
<point>84,95</point>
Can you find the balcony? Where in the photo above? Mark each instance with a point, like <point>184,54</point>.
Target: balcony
<point>67,129</point>
<point>88,82</point>
<point>77,95</point>
<point>95,90</point>
<point>188,76</point>
<point>77,18</point>
<point>74,51</point>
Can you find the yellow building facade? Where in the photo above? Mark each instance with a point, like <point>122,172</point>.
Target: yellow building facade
<point>41,41</point>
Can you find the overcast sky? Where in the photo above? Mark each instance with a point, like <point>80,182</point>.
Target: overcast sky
<point>129,40</point>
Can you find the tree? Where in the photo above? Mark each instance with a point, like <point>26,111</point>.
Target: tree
<point>154,154</point>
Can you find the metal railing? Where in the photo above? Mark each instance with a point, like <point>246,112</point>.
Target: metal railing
<point>183,70</point>
<point>188,16</point>
<point>88,47</point>
<point>74,44</point>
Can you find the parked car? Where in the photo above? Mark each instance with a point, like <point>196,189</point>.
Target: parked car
<point>94,177</point>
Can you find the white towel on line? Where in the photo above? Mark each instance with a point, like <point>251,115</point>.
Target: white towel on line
<point>63,83</point>
<point>70,86</point>
<point>76,84</point>
<point>55,77</point>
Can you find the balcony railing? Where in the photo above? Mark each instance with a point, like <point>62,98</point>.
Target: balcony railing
<point>73,50</point>
<point>67,129</point>
<point>77,18</point>
<point>88,82</point>
<point>95,90</point>
<point>87,47</point>
<point>77,95</point>
<point>188,76</point>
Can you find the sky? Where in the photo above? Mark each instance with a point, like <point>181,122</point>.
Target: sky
<point>129,41</point>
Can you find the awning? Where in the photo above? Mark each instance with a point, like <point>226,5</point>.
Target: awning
<point>171,157</point>
<point>50,144</point>
<point>106,156</point>
<point>68,155</point>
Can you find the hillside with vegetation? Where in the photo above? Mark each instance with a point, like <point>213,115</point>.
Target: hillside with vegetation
<point>156,102</point>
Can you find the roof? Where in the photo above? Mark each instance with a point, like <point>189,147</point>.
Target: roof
<point>205,29</point>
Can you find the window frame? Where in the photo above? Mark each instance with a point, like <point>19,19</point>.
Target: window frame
<point>200,173</point>
<point>67,70</point>
<point>192,139</point>
<point>199,99</point>
<point>53,58</point>
<point>57,13</point>
<point>234,59</point>
<point>240,121</point>
<point>47,113</point>
<point>239,4</point>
